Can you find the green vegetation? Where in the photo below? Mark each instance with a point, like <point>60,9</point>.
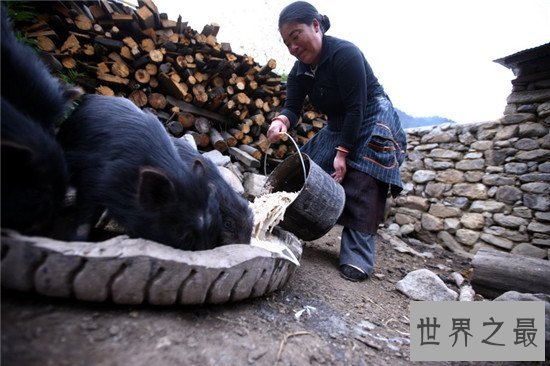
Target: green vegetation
<point>72,76</point>
<point>19,12</point>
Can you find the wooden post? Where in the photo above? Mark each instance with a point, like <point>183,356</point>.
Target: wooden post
<point>498,272</point>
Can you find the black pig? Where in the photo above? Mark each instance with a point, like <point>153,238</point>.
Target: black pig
<point>34,175</point>
<point>121,159</point>
<point>236,213</point>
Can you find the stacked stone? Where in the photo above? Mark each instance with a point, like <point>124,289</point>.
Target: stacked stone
<point>484,184</point>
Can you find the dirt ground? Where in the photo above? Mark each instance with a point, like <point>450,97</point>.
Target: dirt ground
<point>340,323</point>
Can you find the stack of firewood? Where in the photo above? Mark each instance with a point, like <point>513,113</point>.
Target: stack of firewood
<point>190,81</point>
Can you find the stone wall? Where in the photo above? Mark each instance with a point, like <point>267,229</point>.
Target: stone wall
<point>484,184</point>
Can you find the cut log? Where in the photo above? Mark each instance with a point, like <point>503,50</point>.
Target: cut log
<point>68,62</point>
<point>115,80</point>
<point>244,157</point>
<point>498,272</point>
<point>201,97</point>
<point>82,22</point>
<point>245,126</point>
<point>157,100</point>
<point>217,140</point>
<point>138,97</point>
<point>203,125</point>
<point>142,76</point>
<point>45,44</point>
<point>227,108</point>
<point>229,138</point>
<point>105,90</point>
<point>151,69</point>
<point>153,82</point>
<point>271,64</point>
<point>236,133</point>
<point>147,44</point>
<point>187,120</point>
<point>280,152</point>
<point>146,17</point>
<point>247,140</point>
<point>156,56</point>
<point>71,44</point>
<point>109,43</point>
<point>187,107</point>
<point>175,128</point>
<point>262,143</point>
<point>169,87</point>
<point>258,119</point>
<point>201,139</point>
<point>255,153</point>
<point>120,69</point>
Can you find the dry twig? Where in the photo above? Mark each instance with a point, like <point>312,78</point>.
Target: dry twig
<point>283,342</point>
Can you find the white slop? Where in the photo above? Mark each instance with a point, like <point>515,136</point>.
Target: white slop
<point>269,209</point>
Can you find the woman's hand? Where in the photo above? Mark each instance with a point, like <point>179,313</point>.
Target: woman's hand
<point>279,126</point>
<point>339,166</point>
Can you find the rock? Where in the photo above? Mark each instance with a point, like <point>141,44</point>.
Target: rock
<point>474,191</point>
<point>537,202</point>
<point>517,118</point>
<point>431,223</point>
<point>450,176</point>
<point>538,227</point>
<point>467,293</point>
<point>509,194</point>
<point>458,278</point>
<point>443,211</point>
<point>217,157</point>
<point>423,176</point>
<point>497,241</point>
<point>449,242</point>
<point>467,237</point>
<point>231,179</point>
<point>473,220</point>
<point>509,220</point>
<point>487,206</point>
<point>424,285</point>
<point>473,164</point>
<point>529,251</point>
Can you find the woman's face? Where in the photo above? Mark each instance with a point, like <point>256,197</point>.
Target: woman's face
<point>303,41</point>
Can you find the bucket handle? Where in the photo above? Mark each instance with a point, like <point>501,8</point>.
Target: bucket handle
<point>299,154</point>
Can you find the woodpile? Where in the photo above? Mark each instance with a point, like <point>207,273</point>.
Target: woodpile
<point>190,81</point>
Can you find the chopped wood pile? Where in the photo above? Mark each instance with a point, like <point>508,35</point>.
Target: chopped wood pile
<point>190,81</point>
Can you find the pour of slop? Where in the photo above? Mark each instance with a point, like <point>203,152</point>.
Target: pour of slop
<point>269,209</point>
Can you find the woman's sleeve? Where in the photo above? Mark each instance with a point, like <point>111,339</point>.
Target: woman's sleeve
<point>351,77</point>
<point>295,95</point>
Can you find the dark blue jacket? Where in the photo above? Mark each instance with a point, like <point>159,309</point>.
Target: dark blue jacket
<point>361,117</point>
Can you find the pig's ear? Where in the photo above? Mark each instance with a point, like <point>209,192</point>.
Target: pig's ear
<point>199,168</point>
<point>16,155</point>
<point>154,188</point>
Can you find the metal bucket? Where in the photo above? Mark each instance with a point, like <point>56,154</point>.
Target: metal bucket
<point>320,200</point>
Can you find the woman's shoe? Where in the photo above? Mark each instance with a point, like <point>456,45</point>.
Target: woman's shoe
<point>352,273</point>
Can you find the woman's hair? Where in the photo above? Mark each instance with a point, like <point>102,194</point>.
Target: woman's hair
<point>303,12</point>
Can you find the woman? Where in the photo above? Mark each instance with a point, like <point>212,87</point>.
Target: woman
<point>363,144</point>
